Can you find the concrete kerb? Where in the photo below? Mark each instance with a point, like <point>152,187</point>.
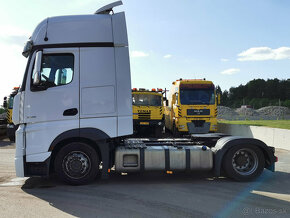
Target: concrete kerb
<point>278,138</point>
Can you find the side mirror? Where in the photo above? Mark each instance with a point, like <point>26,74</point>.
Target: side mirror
<point>5,102</point>
<point>219,98</point>
<point>166,102</point>
<point>37,68</point>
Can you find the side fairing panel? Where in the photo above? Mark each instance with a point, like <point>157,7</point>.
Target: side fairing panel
<point>119,29</point>
<point>98,108</point>
<point>124,95</point>
<point>97,82</point>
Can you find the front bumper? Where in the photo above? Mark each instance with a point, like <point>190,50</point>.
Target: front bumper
<point>144,123</point>
<point>29,165</point>
<point>196,125</point>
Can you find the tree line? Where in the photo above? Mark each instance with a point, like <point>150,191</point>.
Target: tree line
<point>257,93</point>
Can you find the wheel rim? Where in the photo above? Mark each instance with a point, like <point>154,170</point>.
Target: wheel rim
<point>76,164</point>
<point>245,161</point>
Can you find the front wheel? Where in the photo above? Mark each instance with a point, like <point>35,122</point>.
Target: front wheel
<point>77,163</point>
<point>244,162</point>
<point>158,131</point>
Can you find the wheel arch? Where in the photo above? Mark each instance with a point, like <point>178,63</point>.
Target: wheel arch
<point>96,138</point>
<point>223,145</point>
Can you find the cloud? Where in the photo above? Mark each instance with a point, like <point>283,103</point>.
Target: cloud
<point>167,56</point>
<point>13,35</point>
<point>264,53</point>
<point>224,59</point>
<point>138,54</point>
<point>230,71</point>
<point>12,67</point>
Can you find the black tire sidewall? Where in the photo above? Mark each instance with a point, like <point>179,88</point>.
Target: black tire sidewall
<point>158,131</point>
<point>230,171</point>
<point>77,146</point>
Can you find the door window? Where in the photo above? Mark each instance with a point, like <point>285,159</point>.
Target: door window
<point>56,69</point>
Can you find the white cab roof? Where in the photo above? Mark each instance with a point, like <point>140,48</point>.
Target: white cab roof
<point>95,28</point>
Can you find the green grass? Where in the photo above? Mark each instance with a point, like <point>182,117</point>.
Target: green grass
<point>282,124</point>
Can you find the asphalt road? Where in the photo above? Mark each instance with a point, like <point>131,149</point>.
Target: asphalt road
<point>147,195</point>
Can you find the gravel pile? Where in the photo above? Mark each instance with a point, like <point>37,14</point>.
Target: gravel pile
<point>248,112</point>
<point>277,111</point>
<point>226,113</point>
<point>265,113</point>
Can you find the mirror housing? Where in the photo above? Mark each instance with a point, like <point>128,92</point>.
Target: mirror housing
<point>166,102</point>
<point>37,69</point>
<point>5,102</point>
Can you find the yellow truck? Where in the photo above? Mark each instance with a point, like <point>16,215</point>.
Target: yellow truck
<point>148,110</point>
<point>191,107</point>
<point>11,128</point>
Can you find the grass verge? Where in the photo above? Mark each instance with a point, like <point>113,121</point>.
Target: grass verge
<point>282,124</point>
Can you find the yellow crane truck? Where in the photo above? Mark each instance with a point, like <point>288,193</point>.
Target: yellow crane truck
<point>11,128</point>
<point>191,107</point>
<point>148,110</point>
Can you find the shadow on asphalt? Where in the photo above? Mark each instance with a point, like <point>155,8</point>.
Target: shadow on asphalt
<point>5,142</point>
<point>151,193</point>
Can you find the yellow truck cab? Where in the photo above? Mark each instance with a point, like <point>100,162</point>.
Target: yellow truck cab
<point>191,107</point>
<point>11,128</point>
<point>148,110</point>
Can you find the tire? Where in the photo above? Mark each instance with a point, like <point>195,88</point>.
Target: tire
<point>176,133</point>
<point>77,163</point>
<point>158,131</point>
<point>12,138</point>
<point>244,162</point>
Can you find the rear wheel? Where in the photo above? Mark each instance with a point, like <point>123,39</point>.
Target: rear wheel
<point>244,162</point>
<point>77,163</point>
<point>176,133</point>
<point>12,138</point>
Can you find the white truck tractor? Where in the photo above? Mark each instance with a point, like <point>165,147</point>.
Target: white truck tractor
<point>74,111</point>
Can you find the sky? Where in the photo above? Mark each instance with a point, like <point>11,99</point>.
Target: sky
<point>225,41</point>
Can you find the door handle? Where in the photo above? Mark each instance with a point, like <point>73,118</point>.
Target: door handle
<point>70,112</point>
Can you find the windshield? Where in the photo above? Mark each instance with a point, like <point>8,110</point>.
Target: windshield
<point>197,96</point>
<point>10,102</point>
<point>146,100</point>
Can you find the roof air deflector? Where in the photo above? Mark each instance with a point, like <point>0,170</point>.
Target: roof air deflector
<point>108,8</point>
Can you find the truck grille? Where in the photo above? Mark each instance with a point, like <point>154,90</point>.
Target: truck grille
<point>144,116</point>
<point>198,123</point>
<point>198,112</point>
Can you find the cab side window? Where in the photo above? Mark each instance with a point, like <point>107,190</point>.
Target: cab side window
<point>56,69</point>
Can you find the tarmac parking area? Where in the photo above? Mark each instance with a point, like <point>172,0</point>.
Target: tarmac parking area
<point>145,195</point>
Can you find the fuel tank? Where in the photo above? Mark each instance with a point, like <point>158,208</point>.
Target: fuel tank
<point>162,158</point>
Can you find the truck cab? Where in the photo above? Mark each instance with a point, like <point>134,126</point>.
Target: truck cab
<point>148,111</point>
<point>192,107</point>
<point>77,85</point>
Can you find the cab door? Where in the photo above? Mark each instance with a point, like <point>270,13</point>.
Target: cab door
<point>54,109</point>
